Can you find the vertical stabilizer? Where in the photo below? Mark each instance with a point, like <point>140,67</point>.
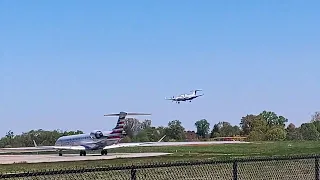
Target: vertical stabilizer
<point>120,124</point>
<point>195,91</point>
<point>118,130</point>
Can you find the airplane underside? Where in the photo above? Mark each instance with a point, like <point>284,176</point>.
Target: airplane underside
<point>183,100</point>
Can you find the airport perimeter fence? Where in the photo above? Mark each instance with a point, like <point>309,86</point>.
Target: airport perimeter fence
<point>287,168</point>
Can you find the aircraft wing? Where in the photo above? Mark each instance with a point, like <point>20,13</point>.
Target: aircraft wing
<point>69,147</point>
<point>40,148</point>
<point>159,143</point>
<point>26,149</point>
<point>119,145</point>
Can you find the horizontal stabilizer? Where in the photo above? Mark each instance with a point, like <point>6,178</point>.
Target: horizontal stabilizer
<point>127,114</point>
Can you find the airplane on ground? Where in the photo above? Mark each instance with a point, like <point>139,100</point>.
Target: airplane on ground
<point>100,140</point>
<point>96,140</point>
<point>186,97</point>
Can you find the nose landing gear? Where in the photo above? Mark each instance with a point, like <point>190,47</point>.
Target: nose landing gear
<point>83,153</point>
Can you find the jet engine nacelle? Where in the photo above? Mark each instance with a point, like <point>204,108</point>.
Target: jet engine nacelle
<point>96,134</point>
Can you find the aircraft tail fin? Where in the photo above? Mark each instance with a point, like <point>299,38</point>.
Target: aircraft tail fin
<point>119,128</point>
<point>195,91</point>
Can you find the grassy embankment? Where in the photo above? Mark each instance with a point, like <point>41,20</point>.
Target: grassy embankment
<point>183,154</point>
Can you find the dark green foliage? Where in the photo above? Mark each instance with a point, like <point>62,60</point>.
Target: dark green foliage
<point>266,126</point>
<point>175,131</point>
<point>293,133</point>
<point>203,128</point>
<point>42,137</point>
<point>309,131</point>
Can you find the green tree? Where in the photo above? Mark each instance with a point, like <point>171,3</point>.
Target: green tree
<point>215,131</point>
<point>203,127</point>
<point>246,124</point>
<point>227,130</point>
<point>175,130</point>
<point>309,131</point>
<point>256,136</point>
<point>259,124</point>
<point>142,136</point>
<point>258,129</point>
<point>42,137</point>
<point>273,119</point>
<point>133,126</point>
<point>276,134</point>
<point>315,116</point>
<point>316,124</point>
<point>293,133</point>
<point>252,122</point>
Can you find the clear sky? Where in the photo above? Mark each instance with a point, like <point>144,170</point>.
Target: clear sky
<point>63,64</point>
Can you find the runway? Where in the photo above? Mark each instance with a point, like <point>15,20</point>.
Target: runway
<point>10,159</point>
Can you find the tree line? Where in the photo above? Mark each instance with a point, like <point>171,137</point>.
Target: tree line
<point>265,126</point>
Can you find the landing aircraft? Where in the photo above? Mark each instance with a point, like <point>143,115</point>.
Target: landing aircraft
<point>99,140</point>
<point>186,97</point>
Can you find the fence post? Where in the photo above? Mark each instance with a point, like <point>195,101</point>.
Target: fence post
<point>235,170</point>
<point>133,174</point>
<point>317,168</point>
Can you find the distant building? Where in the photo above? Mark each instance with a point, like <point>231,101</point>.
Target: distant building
<point>191,136</point>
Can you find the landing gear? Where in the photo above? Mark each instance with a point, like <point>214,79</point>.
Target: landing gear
<point>60,153</point>
<point>83,153</point>
<point>104,152</point>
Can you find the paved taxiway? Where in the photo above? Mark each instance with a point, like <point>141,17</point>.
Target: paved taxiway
<point>10,159</point>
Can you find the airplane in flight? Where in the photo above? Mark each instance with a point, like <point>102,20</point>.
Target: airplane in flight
<point>186,97</point>
<point>100,140</point>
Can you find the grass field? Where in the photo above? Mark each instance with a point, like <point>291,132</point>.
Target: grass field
<point>183,154</point>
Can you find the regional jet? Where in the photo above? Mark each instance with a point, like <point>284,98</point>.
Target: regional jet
<point>185,97</point>
<point>95,140</point>
<point>99,140</point>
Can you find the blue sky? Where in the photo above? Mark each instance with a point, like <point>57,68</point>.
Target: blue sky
<point>63,64</point>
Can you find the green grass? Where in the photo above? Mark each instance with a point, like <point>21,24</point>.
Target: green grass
<point>182,154</point>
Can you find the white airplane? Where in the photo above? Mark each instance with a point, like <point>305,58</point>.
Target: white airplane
<point>186,97</point>
<point>99,140</point>
<point>96,140</point>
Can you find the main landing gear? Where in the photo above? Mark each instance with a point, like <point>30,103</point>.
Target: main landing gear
<point>104,152</point>
<point>83,153</point>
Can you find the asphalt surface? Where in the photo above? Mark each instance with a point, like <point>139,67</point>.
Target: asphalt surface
<point>10,159</point>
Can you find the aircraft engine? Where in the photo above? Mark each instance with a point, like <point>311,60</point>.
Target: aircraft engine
<point>96,134</point>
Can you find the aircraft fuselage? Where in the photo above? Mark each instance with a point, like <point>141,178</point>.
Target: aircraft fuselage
<point>87,141</point>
